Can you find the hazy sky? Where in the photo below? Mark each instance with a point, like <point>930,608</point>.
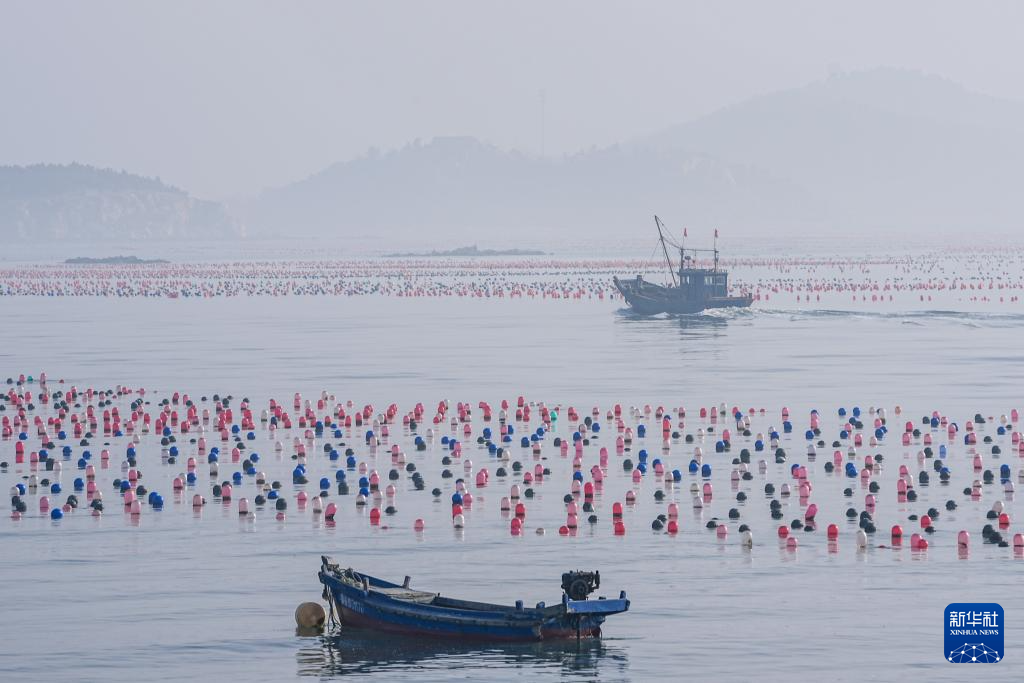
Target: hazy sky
<point>225,98</point>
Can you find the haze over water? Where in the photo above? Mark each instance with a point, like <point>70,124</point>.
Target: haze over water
<point>861,164</point>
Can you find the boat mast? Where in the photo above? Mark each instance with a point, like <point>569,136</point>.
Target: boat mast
<point>716,249</point>
<point>661,238</point>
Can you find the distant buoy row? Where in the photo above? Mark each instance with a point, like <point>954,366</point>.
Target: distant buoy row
<point>910,281</point>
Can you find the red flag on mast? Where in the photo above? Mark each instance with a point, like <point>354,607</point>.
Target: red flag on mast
<point>716,233</point>
<point>685,234</point>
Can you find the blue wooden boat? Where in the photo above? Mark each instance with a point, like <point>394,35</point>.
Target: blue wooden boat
<point>692,289</point>
<point>363,601</point>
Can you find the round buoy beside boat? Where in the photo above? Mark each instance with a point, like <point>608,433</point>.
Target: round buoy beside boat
<point>310,615</point>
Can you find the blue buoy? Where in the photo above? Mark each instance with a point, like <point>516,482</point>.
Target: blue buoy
<point>705,470</point>
<point>56,513</point>
<point>325,483</point>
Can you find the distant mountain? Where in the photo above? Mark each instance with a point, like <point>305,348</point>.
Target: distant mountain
<point>885,148</point>
<point>83,203</point>
<point>456,187</point>
<point>881,150</point>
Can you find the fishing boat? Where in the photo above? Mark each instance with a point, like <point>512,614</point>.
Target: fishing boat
<point>693,289</point>
<point>362,601</point>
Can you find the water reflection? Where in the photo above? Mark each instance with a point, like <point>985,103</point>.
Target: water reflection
<point>698,326</point>
<point>358,652</point>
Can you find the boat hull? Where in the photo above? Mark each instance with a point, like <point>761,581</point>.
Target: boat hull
<point>366,608</point>
<point>650,299</point>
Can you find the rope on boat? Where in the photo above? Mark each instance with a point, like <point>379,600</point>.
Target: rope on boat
<point>333,621</point>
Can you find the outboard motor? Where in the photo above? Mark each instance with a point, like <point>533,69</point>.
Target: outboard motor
<point>578,585</point>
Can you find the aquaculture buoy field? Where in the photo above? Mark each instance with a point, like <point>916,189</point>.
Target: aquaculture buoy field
<point>800,487</point>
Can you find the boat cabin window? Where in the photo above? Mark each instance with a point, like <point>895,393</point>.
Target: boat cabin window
<point>717,284</point>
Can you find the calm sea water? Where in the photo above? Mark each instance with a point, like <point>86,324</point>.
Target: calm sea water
<point>185,595</point>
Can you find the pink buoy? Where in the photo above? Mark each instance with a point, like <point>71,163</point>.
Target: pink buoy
<point>926,521</point>
<point>44,504</point>
<point>783,531</point>
<point>197,501</point>
<point>722,531</point>
<point>418,525</point>
<point>375,516</point>
<point>791,543</point>
<point>243,506</point>
<point>833,532</point>
<point>963,539</point>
